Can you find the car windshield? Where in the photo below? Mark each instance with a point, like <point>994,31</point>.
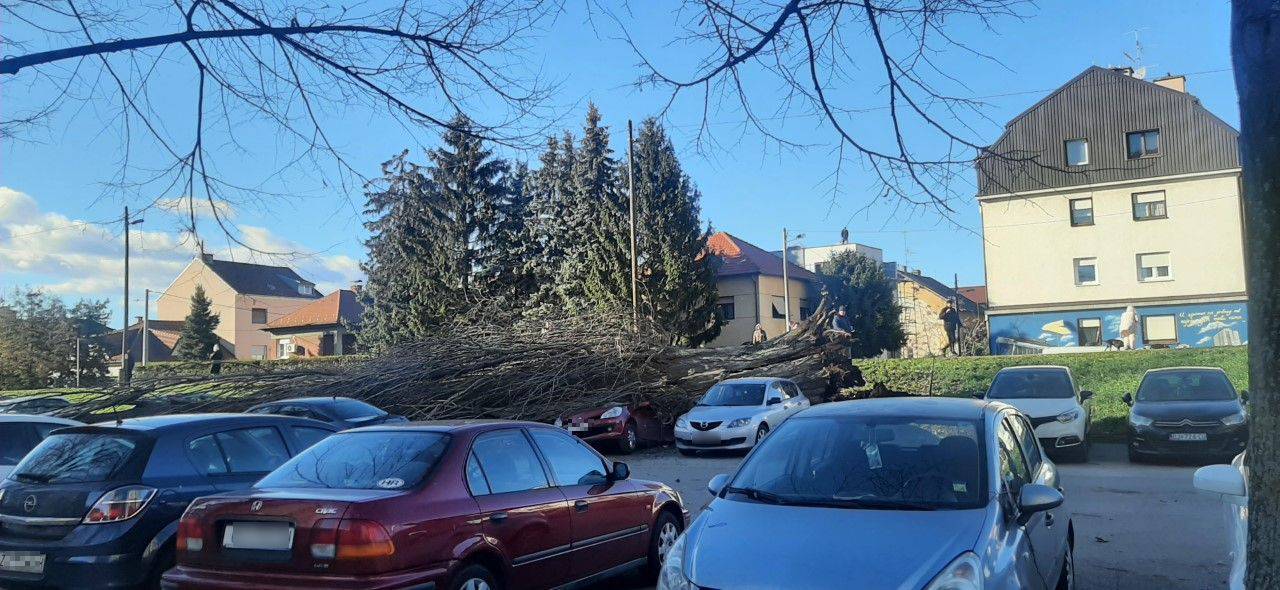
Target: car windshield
<point>872,462</point>
<point>1031,384</point>
<point>77,458</point>
<point>734,394</point>
<point>349,409</point>
<point>362,461</point>
<point>1185,386</point>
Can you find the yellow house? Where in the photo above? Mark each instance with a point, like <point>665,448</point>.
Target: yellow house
<point>921,299</point>
<point>246,297</point>
<point>750,287</point>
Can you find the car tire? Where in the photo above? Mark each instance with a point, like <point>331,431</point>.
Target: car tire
<point>474,577</point>
<point>628,443</point>
<point>1067,579</point>
<point>687,452</point>
<point>1136,457</point>
<point>665,532</point>
<point>164,561</point>
<point>761,433</point>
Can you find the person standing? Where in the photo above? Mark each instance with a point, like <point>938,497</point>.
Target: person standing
<point>215,360</point>
<point>1129,328</point>
<point>758,337</point>
<point>951,324</point>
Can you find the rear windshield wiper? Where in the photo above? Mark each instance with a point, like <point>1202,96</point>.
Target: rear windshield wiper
<point>758,495</point>
<point>35,477</point>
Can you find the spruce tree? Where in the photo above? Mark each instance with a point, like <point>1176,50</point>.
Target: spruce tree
<point>198,337</point>
<point>858,283</point>
<point>596,269</point>
<point>549,218</point>
<point>503,263</point>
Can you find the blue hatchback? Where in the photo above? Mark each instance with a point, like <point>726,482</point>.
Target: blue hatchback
<point>98,506</point>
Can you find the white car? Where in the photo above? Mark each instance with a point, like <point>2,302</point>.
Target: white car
<point>1230,483</point>
<point>1050,396</point>
<point>19,433</point>
<point>735,414</point>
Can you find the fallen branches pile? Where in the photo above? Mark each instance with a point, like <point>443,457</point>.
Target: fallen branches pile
<point>527,369</point>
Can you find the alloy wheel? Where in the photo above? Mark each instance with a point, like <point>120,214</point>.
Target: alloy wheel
<point>666,538</point>
<point>475,584</point>
<point>762,432</point>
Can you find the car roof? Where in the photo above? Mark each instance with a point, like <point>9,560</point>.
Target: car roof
<point>916,405</point>
<point>1035,367</point>
<point>27,398</point>
<point>38,418</point>
<point>175,421</point>
<point>753,380</point>
<point>451,426</point>
<point>304,401</point>
<point>1157,370</point>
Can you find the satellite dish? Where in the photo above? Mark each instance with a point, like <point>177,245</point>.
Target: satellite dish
<point>1140,72</point>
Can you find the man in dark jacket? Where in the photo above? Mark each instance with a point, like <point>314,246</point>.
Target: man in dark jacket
<point>840,322</point>
<point>951,326</point>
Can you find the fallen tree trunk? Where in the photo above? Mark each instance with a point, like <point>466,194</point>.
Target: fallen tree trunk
<point>531,369</point>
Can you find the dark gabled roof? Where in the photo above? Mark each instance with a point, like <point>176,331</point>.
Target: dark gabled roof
<point>940,288</point>
<point>340,307</point>
<point>740,257</point>
<point>259,279</point>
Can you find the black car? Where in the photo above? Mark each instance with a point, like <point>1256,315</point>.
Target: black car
<point>1191,412</point>
<point>341,412</point>
<point>98,506</point>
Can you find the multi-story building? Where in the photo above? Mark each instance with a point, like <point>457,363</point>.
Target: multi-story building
<point>750,286</point>
<point>813,257</point>
<point>1112,192</point>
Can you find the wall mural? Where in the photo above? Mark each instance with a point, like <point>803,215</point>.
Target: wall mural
<point>1198,326</point>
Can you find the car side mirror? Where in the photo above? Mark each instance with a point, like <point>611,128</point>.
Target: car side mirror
<point>1244,395</point>
<point>620,471</point>
<point>717,484</point>
<point>773,401</point>
<point>979,395</point>
<point>1085,395</point>
<point>1127,399</point>
<point>1035,498</point>
<point>1224,481</point>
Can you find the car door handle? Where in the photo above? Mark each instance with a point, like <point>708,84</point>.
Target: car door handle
<point>498,517</point>
<point>1048,519</point>
<point>581,505</point>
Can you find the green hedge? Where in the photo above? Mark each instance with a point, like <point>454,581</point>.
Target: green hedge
<point>189,368</point>
<point>1108,374</point>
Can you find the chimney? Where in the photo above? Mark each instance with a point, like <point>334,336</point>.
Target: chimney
<point>207,257</point>
<point>137,320</point>
<point>356,286</point>
<point>1124,70</point>
<point>1172,82</point>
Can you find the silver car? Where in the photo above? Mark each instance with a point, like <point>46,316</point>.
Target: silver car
<point>907,493</point>
<point>735,414</point>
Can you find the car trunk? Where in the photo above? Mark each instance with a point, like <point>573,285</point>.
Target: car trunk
<point>273,530</point>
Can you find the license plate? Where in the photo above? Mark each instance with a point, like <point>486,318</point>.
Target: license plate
<point>576,428</point>
<point>1189,436</point>
<point>269,536</point>
<point>27,562</point>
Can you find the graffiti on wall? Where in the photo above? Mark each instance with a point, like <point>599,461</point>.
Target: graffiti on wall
<point>1197,325</point>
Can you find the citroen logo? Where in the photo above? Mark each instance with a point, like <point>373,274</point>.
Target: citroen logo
<point>29,505</point>
<point>256,505</point>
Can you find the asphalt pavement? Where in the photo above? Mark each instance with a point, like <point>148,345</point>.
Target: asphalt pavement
<point>1138,525</point>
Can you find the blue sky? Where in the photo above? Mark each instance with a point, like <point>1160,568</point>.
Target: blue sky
<point>752,188</point>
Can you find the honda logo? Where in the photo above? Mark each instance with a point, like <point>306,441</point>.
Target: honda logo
<point>256,505</point>
<point>29,505</point>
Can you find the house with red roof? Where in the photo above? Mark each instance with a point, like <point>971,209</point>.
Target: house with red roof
<point>324,327</point>
<point>751,290</point>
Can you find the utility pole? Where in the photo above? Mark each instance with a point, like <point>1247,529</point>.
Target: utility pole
<point>77,361</point>
<point>146,317</point>
<point>955,290</point>
<point>631,198</point>
<point>124,333</point>
<point>786,284</point>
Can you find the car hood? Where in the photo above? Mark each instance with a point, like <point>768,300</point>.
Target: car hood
<point>745,545</point>
<point>1196,410</point>
<point>5,470</point>
<point>722,413</point>
<point>591,414</point>
<point>1042,407</point>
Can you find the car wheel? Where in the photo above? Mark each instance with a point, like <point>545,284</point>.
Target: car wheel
<point>762,432</point>
<point>1067,581</point>
<point>163,563</point>
<point>687,452</point>
<point>1136,457</point>
<point>628,443</point>
<point>474,577</point>
<point>665,532</point>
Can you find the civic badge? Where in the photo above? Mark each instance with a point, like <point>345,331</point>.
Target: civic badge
<point>29,505</point>
<point>255,506</point>
<point>326,510</point>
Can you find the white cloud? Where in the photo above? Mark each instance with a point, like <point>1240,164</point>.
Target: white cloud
<point>182,207</point>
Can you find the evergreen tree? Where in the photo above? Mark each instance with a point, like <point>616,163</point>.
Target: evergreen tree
<point>858,283</point>
<point>38,337</point>
<point>198,337</point>
<point>471,193</point>
<point>595,268</point>
<point>504,262</point>
<point>548,219</point>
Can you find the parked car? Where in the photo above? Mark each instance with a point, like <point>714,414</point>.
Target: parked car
<point>1050,396</point>
<point>735,414</point>
<point>624,427</point>
<point>932,493</point>
<point>1188,412</point>
<point>448,505</point>
<point>342,412</point>
<point>1230,483</point>
<point>34,404</point>
<point>98,506</point>
<point>19,433</point>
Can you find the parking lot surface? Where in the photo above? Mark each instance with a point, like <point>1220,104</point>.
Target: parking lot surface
<point>1137,525</point>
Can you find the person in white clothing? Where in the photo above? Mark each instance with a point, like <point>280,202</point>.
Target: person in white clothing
<point>1129,328</point>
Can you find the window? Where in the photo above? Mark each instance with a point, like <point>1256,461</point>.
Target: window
<point>258,352</point>
<point>206,456</point>
<point>1081,212</point>
<point>792,389</point>
<point>304,289</point>
<point>1027,441</point>
<point>509,463</point>
<point>475,477</point>
<point>726,308</point>
<point>309,436</point>
<point>284,347</point>
<point>83,457</point>
<point>1090,331</point>
<point>15,442</point>
<point>779,304</point>
<point>1149,206</point>
<point>1154,266</point>
<point>1086,271</point>
<point>378,460</point>
<point>572,463</point>
<point>1013,468</point>
<point>1077,152</point>
<point>1160,329</point>
<point>1143,143</point>
<point>258,315</point>
<point>252,450</point>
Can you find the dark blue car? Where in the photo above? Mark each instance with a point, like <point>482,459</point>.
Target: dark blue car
<point>341,412</point>
<point>98,506</point>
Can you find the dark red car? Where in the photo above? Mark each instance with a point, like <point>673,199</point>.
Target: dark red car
<point>623,427</point>
<point>445,505</point>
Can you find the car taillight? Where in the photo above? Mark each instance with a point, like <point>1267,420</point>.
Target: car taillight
<point>190,534</point>
<point>119,504</point>
<point>350,539</point>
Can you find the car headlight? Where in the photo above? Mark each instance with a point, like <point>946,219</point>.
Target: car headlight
<point>1236,418</point>
<point>739,423</point>
<point>613,412</point>
<point>1069,416</point>
<point>964,573</point>
<point>1139,420</point>
<point>682,422</point>
<point>671,576</point>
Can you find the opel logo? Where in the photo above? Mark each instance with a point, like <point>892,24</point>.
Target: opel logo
<point>256,506</point>
<point>29,505</point>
